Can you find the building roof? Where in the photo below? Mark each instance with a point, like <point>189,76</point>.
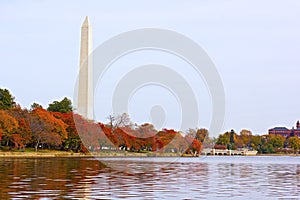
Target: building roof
<point>280,129</point>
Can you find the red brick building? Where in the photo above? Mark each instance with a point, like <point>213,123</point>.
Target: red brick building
<point>285,132</point>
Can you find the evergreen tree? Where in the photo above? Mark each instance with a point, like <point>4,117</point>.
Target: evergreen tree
<point>63,106</point>
<point>6,100</point>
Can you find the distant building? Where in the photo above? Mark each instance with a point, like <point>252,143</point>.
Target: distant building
<point>285,132</point>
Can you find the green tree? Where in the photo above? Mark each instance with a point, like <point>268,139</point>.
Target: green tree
<point>270,148</point>
<point>35,105</point>
<point>63,106</point>
<point>277,141</point>
<point>232,134</point>
<point>294,143</point>
<point>265,147</point>
<point>223,139</point>
<point>229,139</point>
<point>256,143</point>
<point>7,101</point>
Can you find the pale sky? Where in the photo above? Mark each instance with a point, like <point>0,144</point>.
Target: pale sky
<point>254,44</point>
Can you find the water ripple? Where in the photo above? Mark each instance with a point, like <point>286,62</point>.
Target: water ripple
<point>186,178</point>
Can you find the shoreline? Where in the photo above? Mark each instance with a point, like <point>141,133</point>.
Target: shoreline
<point>62,154</point>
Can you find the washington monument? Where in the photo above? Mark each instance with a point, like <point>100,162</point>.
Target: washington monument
<point>85,106</point>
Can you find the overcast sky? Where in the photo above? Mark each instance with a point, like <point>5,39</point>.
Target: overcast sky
<point>254,44</point>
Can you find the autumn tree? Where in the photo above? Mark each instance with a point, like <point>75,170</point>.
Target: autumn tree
<point>147,133</point>
<point>119,121</point>
<point>194,145</point>
<point>82,132</point>
<point>47,129</point>
<point>8,125</point>
<point>164,139</point>
<point>6,100</point>
<point>145,130</point>
<point>63,106</point>
<point>23,134</point>
<point>198,134</point>
<point>120,126</point>
<point>243,140</point>
<point>73,141</point>
<point>245,132</point>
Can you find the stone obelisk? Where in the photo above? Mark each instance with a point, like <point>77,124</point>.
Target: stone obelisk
<point>85,101</point>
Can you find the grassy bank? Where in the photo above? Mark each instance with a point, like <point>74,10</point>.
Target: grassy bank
<point>30,153</point>
<point>51,153</point>
<point>41,154</point>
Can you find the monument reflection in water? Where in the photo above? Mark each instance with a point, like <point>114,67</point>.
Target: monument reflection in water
<point>195,178</point>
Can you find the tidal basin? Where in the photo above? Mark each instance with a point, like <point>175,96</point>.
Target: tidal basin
<point>210,177</point>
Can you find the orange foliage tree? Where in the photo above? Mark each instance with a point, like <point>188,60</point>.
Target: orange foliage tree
<point>47,129</point>
<point>23,134</point>
<point>8,125</point>
<point>73,141</point>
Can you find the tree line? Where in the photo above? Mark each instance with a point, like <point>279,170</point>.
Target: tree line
<point>59,128</point>
<point>261,143</point>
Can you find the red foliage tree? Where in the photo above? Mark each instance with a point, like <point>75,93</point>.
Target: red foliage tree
<point>46,128</point>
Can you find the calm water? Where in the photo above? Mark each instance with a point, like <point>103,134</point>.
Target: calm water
<point>151,178</point>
